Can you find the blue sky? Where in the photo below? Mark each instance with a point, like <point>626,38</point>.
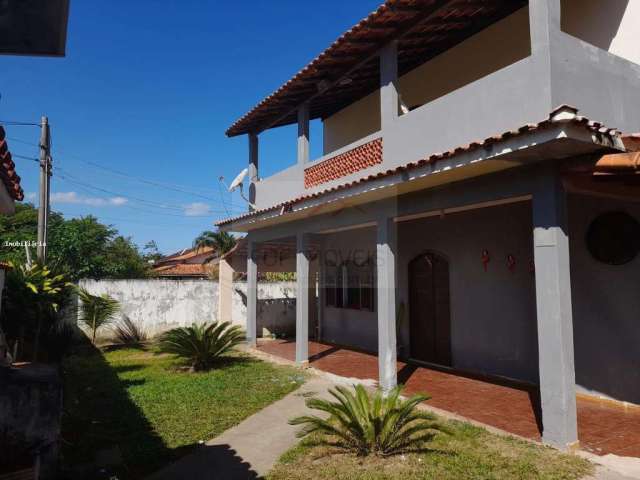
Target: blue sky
<point>139,106</point>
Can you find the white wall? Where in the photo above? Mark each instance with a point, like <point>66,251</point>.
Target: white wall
<point>612,25</point>
<point>159,305</point>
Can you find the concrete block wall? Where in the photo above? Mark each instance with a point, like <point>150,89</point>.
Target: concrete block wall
<point>159,305</point>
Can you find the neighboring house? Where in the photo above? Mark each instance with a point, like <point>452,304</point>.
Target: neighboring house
<point>194,262</point>
<point>458,186</point>
<point>10,192</point>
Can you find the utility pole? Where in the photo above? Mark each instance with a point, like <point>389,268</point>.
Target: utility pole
<point>45,175</point>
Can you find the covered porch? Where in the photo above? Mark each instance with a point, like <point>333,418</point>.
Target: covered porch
<point>474,266</point>
<point>603,428</point>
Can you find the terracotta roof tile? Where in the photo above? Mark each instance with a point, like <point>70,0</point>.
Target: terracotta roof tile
<point>344,164</point>
<point>562,114</point>
<point>424,28</point>
<point>8,173</point>
<point>182,270</point>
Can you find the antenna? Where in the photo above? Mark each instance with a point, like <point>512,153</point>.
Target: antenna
<point>237,183</point>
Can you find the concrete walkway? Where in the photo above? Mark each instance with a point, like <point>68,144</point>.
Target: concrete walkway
<point>250,449</point>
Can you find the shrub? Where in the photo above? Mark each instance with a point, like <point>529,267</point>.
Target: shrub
<point>127,332</point>
<point>97,311</point>
<point>202,344</point>
<point>34,296</point>
<point>365,423</point>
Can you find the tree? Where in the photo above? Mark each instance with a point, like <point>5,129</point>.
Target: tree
<point>80,247</point>
<point>97,311</point>
<point>222,242</point>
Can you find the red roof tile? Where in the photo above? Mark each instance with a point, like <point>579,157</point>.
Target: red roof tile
<point>423,28</point>
<point>8,173</point>
<point>562,114</point>
<point>182,270</point>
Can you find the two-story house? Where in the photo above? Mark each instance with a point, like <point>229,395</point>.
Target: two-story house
<point>476,206</point>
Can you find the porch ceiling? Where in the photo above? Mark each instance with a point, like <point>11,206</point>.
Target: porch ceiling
<point>348,69</point>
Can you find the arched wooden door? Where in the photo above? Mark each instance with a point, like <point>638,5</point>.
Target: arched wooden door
<point>429,309</point>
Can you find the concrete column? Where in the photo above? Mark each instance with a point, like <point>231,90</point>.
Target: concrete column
<point>555,322</point>
<point>544,21</point>
<point>303,133</point>
<point>388,84</point>
<point>302,297</point>
<point>386,277</point>
<point>253,166</point>
<point>225,290</point>
<point>252,292</point>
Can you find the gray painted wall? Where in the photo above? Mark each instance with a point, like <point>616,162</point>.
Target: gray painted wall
<point>606,309</point>
<point>347,326</point>
<point>493,314</point>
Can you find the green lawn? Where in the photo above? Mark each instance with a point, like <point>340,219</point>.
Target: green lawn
<point>469,453</point>
<point>151,411</point>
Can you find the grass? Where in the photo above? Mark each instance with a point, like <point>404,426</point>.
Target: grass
<point>150,411</point>
<point>469,453</point>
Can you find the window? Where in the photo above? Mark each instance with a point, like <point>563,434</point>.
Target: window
<point>350,285</point>
<point>614,238</point>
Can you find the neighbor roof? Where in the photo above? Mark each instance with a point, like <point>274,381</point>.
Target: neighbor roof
<point>348,69</point>
<point>8,174</point>
<point>564,114</point>
<point>34,27</point>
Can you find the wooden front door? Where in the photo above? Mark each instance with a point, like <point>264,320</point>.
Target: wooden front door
<point>429,309</point>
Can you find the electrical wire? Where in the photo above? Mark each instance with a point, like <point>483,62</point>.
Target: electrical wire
<point>14,123</point>
<point>147,203</point>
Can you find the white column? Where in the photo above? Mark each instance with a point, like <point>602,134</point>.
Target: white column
<point>386,282</point>
<point>303,133</point>
<point>388,84</point>
<point>555,322</point>
<point>302,297</point>
<point>225,290</point>
<point>253,166</point>
<point>252,292</point>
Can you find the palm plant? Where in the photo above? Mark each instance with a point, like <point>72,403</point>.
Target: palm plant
<point>35,295</point>
<point>97,311</point>
<point>375,423</point>
<point>127,332</point>
<point>222,242</point>
<point>202,344</point>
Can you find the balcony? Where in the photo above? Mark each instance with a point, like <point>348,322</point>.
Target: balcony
<point>476,89</point>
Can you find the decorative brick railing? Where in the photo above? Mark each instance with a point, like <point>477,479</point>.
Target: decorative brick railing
<point>344,164</point>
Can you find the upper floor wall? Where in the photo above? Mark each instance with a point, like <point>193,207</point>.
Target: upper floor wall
<point>512,73</point>
<point>467,62</point>
<point>614,27</point>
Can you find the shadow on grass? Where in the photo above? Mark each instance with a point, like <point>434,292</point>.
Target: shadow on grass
<point>101,427</point>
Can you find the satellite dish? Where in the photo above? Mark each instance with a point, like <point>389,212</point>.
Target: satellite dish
<point>237,182</point>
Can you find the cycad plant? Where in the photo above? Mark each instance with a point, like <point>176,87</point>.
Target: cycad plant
<point>366,424</point>
<point>97,311</point>
<point>201,344</point>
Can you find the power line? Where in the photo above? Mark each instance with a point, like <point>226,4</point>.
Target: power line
<point>15,123</point>
<point>148,203</point>
<point>23,157</point>
<point>169,186</point>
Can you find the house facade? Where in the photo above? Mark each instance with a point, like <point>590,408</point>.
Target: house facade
<point>476,207</point>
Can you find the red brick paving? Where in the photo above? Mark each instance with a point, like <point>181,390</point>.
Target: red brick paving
<point>602,427</point>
